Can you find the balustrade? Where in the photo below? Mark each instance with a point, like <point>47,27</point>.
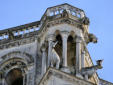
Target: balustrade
<point>18,32</point>
<point>71,10</point>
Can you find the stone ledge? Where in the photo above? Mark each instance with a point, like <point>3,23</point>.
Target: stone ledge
<point>63,76</point>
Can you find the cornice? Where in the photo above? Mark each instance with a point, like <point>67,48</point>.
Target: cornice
<point>17,42</point>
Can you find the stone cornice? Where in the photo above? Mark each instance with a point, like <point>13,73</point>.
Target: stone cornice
<point>47,24</point>
<point>21,39</point>
<point>18,42</point>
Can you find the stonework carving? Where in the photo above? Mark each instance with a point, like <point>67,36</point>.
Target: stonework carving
<point>88,72</point>
<point>28,52</point>
<point>92,38</point>
<point>54,57</point>
<point>85,20</point>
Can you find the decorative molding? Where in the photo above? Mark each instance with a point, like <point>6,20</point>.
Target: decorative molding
<point>15,43</point>
<point>17,54</point>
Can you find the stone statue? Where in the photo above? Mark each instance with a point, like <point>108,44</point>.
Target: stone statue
<point>65,13</point>
<point>88,72</point>
<point>85,20</point>
<point>54,57</point>
<point>92,38</point>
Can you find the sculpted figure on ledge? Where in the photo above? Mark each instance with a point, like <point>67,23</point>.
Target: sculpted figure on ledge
<point>88,72</point>
<point>54,57</point>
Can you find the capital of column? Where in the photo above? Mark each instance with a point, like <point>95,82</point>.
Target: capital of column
<point>64,34</point>
<point>43,48</point>
<point>78,39</point>
<point>83,52</point>
<point>51,37</point>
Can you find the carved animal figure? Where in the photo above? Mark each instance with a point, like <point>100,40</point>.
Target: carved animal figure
<point>92,38</point>
<point>54,58</point>
<point>89,71</point>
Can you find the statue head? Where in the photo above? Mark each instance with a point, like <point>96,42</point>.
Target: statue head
<point>54,43</point>
<point>99,64</point>
<point>92,38</point>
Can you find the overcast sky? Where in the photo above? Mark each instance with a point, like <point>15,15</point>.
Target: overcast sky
<point>100,13</point>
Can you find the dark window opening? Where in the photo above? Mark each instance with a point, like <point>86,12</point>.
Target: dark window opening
<point>14,77</point>
<point>71,51</point>
<point>58,47</point>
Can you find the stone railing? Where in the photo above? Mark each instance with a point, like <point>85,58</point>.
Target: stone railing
<point>31,28</point>
<point>19,31</point>
<point>60,8</point>
<point>56,11</point>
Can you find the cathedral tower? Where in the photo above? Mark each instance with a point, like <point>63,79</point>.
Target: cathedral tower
<point>52,51</point>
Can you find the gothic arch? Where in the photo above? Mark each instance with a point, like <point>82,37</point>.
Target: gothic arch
<point>58,46</point>
<point>71,50</point>
<point>72,33</point>
<point>25,56</point>
<point>14,77</point>
<point>8,70</point>
<point>15,60</point>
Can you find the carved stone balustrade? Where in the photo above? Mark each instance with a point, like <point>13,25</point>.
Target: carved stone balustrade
<point>70,9</point>
<point>19,31</point>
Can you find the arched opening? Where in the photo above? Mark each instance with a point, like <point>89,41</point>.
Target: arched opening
<point>58,47</point>
<point>71,51</point>
<point>14,77</point>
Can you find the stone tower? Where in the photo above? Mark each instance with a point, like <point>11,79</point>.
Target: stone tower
<point>51,51</point>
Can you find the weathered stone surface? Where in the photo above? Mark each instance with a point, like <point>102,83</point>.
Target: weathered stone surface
<point>25,49</point>
<point>56,77</point>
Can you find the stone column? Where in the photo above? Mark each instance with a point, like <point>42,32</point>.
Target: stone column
<point>23,31</point>
<point>48,13</point>
<point>64,35</point>
<point>43,60</point>
<point>24,81</point>
<point>18,32</point>
<point>2,80</point>
<point>50,40</point>
<point>83,59</point>
<point>78,54</point>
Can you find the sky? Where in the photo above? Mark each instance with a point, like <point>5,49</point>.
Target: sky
<point>100,13</point>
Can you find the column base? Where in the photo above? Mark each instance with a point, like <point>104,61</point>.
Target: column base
<point>65,69</point>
